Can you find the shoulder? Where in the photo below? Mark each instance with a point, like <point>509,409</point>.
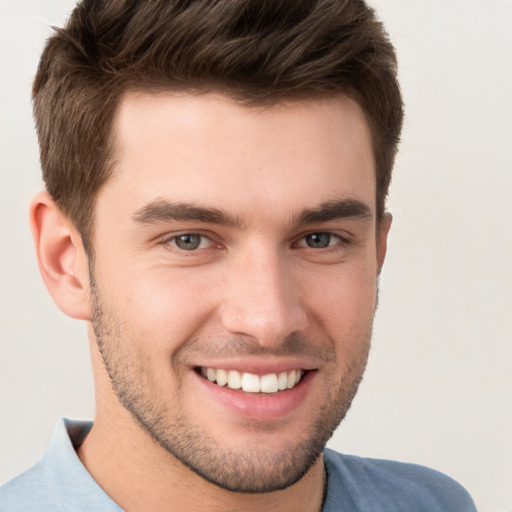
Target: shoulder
<point>374,484</point>
<point>59,481</point>
<point>51,484</point>
<point>32,490</point>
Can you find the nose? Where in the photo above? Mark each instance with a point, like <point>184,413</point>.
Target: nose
<point>261,299</point>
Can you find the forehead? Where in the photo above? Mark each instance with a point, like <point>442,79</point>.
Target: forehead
<point>208,149</point>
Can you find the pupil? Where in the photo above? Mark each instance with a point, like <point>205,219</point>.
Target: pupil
<point>319,240</point>
<point>188,242</point>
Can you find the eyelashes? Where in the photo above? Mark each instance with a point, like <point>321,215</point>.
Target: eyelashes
<point>320,240</point>
<point>195,242</point>
<point>190,242</point>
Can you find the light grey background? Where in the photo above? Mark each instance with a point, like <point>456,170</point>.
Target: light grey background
<point>438,386</point>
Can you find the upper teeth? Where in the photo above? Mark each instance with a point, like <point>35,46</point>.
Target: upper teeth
<point>251,383</point>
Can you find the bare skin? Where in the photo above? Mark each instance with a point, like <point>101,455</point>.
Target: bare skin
<point>232,239</point>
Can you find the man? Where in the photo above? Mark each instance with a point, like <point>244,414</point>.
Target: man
<point>216,176</point>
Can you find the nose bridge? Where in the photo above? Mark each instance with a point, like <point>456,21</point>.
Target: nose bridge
<point>261,299</point>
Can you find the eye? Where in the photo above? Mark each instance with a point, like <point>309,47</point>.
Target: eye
<point>319,240</point>
<point>190,241</point>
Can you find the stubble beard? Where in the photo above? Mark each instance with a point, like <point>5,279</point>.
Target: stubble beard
<point>247,469</point>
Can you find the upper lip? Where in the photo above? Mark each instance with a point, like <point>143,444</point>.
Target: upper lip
<point>259,366</point>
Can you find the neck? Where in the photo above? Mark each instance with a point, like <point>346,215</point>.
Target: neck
<point>140,476</point>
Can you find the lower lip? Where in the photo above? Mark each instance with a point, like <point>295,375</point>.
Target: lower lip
<point>260,406</point>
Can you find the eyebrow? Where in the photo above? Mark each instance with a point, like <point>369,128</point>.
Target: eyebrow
<point>334,210</point>
<point>165,211</point>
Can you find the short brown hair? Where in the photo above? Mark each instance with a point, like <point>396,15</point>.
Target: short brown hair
<point>257,51</point>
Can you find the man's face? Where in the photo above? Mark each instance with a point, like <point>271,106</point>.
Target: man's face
<point>237,247</point>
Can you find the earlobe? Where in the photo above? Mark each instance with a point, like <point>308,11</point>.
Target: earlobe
<point>61,257</point>
<point>382,239</point>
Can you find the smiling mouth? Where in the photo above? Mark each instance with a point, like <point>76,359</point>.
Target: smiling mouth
<point>250,382</point>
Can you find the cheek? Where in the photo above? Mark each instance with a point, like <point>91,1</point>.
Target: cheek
<point>344,305</point>
<point>168,307</point>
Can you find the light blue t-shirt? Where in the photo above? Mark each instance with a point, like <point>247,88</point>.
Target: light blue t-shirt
<point>59,482</point>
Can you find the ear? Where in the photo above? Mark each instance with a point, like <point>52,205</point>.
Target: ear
<point>383,228</point>
<point>62,260</point>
